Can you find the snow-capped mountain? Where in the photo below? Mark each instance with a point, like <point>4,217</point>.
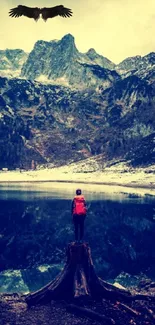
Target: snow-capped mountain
<point>67,106</point>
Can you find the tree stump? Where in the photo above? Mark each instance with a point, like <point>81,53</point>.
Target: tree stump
<point>79,280</point>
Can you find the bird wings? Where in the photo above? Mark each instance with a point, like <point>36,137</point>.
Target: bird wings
<point>56,11</point>
<point>25,11</point>
<point>35,12</point>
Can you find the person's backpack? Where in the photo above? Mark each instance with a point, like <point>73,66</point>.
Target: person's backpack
<point>79,205</point>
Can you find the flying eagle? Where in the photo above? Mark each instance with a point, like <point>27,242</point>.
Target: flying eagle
<point>45,12</point>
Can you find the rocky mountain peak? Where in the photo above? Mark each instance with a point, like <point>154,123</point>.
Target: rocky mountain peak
<point>67,45</point>
<point>150,58</point>
<point>99,59</point>
<point>137,62</point>
<point>68,38</point>
<point>92,53</point>
<point>60,62</point>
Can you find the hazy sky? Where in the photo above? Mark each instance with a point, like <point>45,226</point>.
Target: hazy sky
<point>116,29</point>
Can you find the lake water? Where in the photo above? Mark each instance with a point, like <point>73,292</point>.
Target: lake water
<point>36,226</point>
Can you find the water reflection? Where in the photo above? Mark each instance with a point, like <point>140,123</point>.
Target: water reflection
<point>36,226</point>
<point>61,190</point>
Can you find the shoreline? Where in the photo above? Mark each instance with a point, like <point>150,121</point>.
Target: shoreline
<point>140,180</point>
<point>134,186</point>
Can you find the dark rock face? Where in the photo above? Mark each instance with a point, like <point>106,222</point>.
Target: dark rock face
<point>60,61</point>
<point>83,107</point>
<point>14,130</point>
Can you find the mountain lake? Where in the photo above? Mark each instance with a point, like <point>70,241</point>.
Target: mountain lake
<point>36,227</point>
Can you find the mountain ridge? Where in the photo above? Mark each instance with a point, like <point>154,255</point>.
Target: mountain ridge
<point>91,56</point>
<point>84,110</point>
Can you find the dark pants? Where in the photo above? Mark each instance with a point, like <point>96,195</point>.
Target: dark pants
<point>78,221</point>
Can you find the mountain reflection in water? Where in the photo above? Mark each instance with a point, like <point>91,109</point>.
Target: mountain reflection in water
<point>36,226</point>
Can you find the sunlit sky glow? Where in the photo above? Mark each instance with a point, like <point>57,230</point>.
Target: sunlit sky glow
<point>116,29</point>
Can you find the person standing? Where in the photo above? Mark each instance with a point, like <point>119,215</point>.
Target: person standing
<point>79,211</point>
